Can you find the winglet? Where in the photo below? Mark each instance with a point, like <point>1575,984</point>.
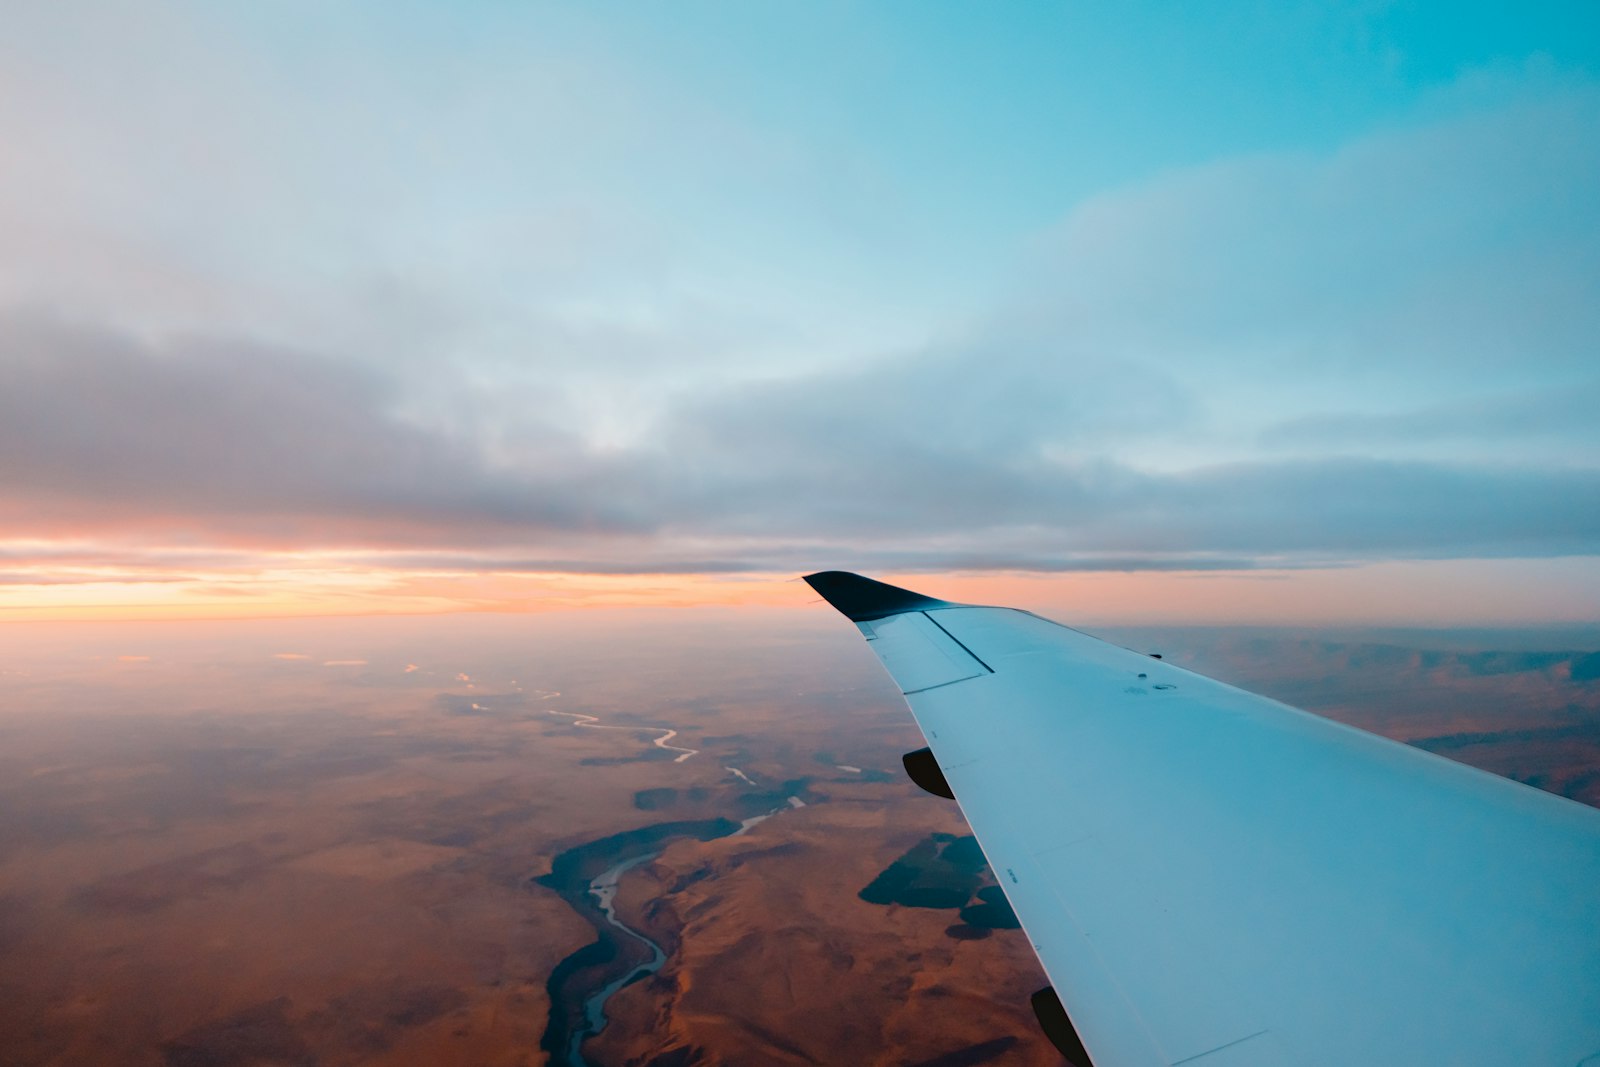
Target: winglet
<point>862,599</point>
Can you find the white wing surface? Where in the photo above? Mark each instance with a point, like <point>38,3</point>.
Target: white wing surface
<point>1215,879</point>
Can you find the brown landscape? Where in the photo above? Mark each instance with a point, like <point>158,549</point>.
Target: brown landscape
<point>362,841</point>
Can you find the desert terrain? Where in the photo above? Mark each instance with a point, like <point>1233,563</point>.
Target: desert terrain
<point>371,841</point>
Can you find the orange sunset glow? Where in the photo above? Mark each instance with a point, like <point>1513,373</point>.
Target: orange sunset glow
<point>1500,592</point>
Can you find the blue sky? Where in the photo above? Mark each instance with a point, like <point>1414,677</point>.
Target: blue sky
<point>740,286</point>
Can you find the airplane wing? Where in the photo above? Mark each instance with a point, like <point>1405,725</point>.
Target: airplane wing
<point>1211,878</point>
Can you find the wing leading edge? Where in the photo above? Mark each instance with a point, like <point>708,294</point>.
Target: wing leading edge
<point>1213,878</point>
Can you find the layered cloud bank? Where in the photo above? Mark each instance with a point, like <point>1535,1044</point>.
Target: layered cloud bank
<point>1373,350</point>
<point>235,444</point>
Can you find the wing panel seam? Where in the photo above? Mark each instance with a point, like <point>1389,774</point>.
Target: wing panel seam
<point>957,640</point>
<point>941,685</point>
<point>1219,1048</point>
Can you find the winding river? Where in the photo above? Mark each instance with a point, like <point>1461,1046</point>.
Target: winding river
<point>604,891</point>
<point>587,878</point>
<point>663,741</point>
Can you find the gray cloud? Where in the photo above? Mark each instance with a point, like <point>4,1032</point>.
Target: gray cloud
<point>1374,300</point>
<point>833,461</point>
<point>1566,414</point>
<point>962,459</point>
<point>230,435</point>
<point>1275,361</point>
<point>783,556</point>
<point>1466,248</point>
<point>131,575</point>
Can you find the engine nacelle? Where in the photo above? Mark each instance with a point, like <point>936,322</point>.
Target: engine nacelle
<point>1058,1028</point>
<point>923,769</point>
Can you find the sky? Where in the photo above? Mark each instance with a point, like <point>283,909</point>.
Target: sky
<point>1232,312</point>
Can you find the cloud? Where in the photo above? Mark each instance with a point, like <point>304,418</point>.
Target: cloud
<point>234,437</point>
<point>955,458</point>
<point>130,574</point>
<point>1272,360</point>
<point>1415,272</point>
<point>1453,246</point>
<point>778,555</point>
<point>1565,415</point>
<point>660,563</point>
<point>895,482</point>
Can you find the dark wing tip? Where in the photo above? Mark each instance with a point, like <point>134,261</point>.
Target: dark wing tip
<point>862,599</point>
